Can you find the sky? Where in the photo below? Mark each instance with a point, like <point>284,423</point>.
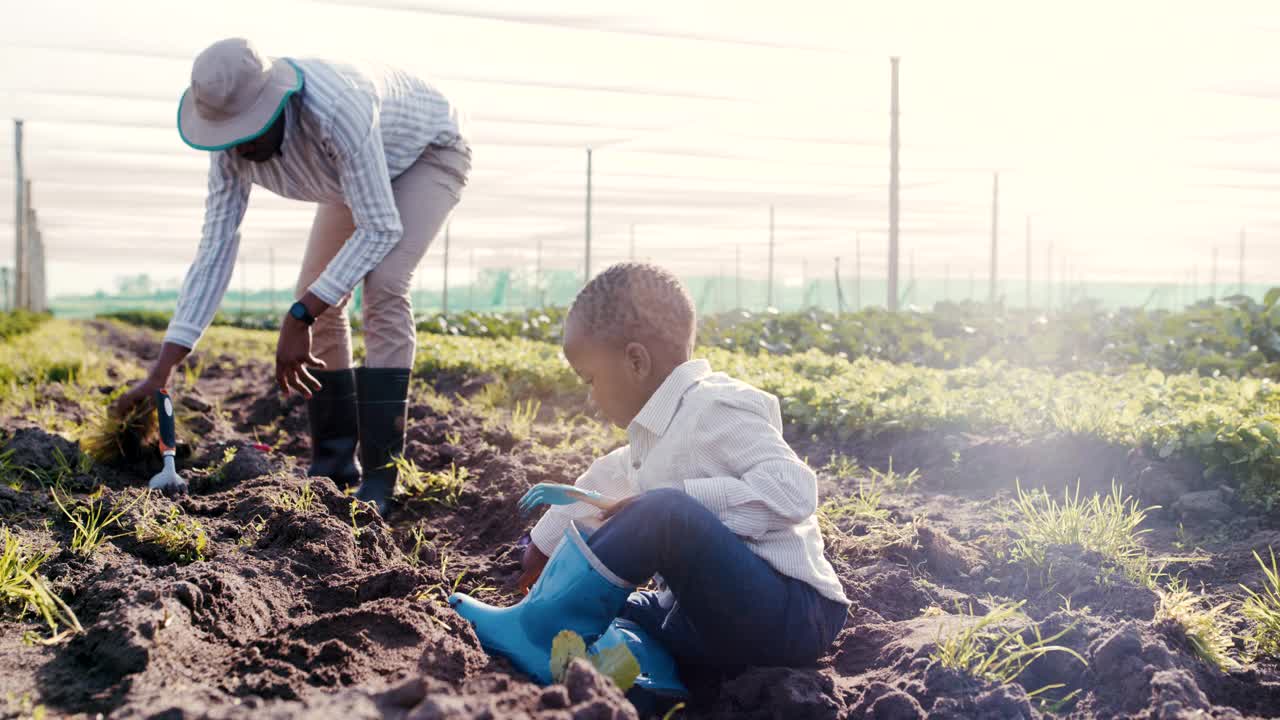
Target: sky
<point>1134,137</point>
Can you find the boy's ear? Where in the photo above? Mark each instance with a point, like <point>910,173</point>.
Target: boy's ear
<point>638,360</point>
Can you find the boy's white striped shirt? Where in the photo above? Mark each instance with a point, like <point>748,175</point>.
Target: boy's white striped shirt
<point>348,134</point>
<point>720,440</point>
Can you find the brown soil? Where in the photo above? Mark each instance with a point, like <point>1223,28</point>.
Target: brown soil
<point>299,613</point>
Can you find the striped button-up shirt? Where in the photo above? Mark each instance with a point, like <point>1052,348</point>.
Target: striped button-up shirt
<point>347,135</point>
<point>720,440</point>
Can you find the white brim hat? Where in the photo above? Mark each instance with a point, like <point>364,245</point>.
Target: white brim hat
<point>235,95</point>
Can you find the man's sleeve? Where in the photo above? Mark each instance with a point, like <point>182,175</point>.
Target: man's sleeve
<point>210,273</point>
<point>607,475</point>
<point>355,139</point>
<point>765,486</point>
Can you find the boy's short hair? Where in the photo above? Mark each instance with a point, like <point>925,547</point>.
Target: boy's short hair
<point>638,302</point>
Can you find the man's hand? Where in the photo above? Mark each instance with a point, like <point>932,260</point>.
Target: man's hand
<point>170,355</point>
<point>293,357</point>
<point>142,390</point>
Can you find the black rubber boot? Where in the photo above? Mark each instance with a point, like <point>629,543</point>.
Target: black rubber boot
<point>383,401</point>
<point>331,412</point>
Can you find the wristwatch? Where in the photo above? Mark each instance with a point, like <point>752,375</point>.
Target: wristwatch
<point>299,312</point>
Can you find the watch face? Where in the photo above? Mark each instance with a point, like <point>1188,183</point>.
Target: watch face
<point>299,311</point>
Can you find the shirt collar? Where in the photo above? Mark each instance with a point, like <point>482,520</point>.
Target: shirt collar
<point>656,414</point>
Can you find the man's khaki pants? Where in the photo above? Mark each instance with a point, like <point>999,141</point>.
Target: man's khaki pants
<point>425,195</point>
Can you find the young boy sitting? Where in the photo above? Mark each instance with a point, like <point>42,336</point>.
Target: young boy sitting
<point>707,495</point>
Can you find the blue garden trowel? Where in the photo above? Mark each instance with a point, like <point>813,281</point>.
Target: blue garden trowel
<point>167,480</point>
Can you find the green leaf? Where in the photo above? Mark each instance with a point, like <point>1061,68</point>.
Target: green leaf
<point>618,664</point>
<point>1271,298</point>
<point>566,646</point>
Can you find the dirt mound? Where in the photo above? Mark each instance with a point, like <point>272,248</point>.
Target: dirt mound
<point>303,603</point>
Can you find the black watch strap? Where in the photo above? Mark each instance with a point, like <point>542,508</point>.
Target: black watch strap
<point>300,312</point>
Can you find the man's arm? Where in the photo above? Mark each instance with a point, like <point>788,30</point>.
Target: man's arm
<point>355,138</point>
<point>210,273</point>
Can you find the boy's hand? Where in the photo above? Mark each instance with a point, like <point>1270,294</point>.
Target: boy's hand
<point>613,509</point>
<point>559,494</point>
<point>532,564</point>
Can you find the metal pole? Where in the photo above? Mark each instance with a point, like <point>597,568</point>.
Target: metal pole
<point>770,256</point>
<point>28,246</point>
<point>19,220</point>
<point>586,278</point>
<point>1028,262</point>
<point>1242,261</point>
<point>893,187</point>
<point>857,270</point>
<point>444,295</point>
<point>1048,277</point>
<point>4,293</point>
<point>839,290</point>
<point>995,234</point>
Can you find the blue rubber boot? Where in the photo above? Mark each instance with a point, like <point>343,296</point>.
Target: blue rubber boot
<point>658,687</point>
<point>575,592</point>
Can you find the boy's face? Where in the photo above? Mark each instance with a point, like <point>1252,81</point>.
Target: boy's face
<point>620,378</point>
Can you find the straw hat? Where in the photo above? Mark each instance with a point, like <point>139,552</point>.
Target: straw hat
<point>235,95</point>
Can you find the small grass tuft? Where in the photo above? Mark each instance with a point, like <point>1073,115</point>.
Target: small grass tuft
<point>182,537</point>
<point>983,649</point>
<point>91,520</point>
<point>443,486</point>
<point>1262,610</point>
<point>23,590</point>
<point>1105,525</point>
<point>300,502</point>
<point>1203,627</point>
<point>522,417</point>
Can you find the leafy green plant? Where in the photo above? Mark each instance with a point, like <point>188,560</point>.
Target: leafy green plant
<point>983,649</point>
<point>1262,609</point>
<point>91,520</point>
<point>1106,525</point>
<point>23,590</point>
<point>182,538</point>
<point>1204,627</point>
<point>616,663</point>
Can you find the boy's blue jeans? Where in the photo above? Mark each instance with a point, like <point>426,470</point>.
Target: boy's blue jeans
<point>732,609</point>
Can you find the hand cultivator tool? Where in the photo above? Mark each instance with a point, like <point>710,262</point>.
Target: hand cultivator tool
<point>560,494</point>
<point>167,480</point>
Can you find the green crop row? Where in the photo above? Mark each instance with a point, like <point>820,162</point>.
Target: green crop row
<point>19,322</point>
<point>1236,337</point>
<point>1230,425</point>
